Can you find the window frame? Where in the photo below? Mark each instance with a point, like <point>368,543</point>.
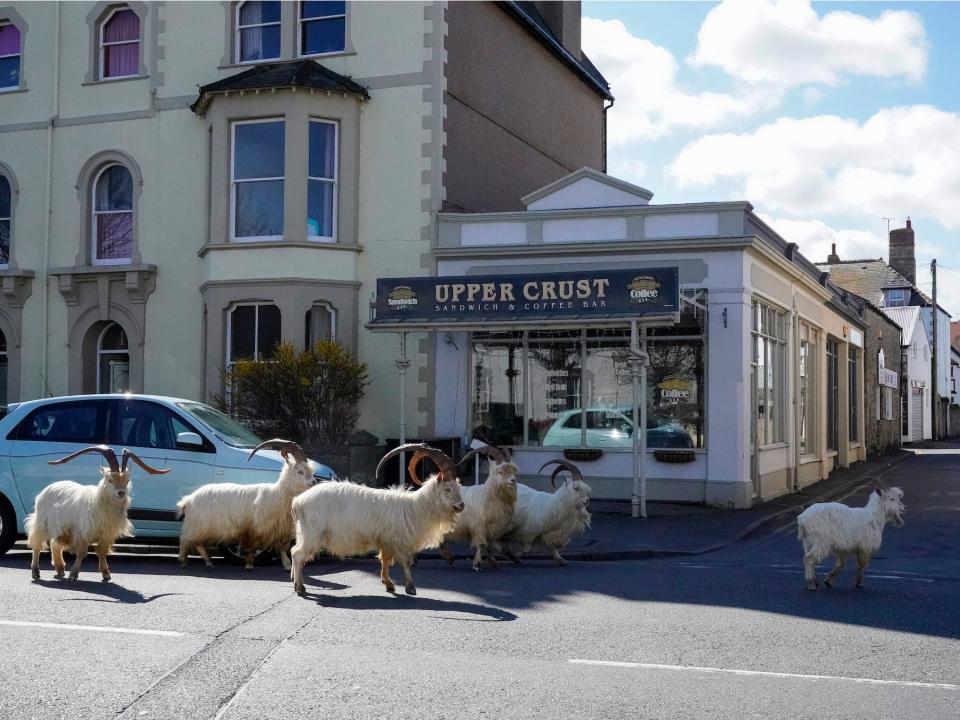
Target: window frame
<point>234,124</point>
<point>238,28</point>
<point>853,387</point>
<point>19,86</point>
<point>101,352</point>
<point>902,297</point>
<point>94,259</point>
<point>833,394</point>
<point>775,347</point>
<point>301,20</point>
<point>808,373</point>
<point>331,311</point>
<point>335,181</point>
<point>9,218</point>
<point>102,45</point>
<point>257,304</point>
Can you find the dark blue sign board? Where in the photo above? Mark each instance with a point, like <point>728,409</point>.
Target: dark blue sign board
<point>529,296</point>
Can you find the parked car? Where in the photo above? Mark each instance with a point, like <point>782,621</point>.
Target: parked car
<point>198,443</point>
<point>612,428</point>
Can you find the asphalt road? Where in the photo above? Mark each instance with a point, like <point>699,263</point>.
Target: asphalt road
<point>730,634</point>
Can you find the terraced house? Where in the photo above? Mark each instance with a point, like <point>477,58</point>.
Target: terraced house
<point>186,184</point>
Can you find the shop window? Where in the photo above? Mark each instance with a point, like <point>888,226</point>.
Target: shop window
<point>253,332</point>
<point>832,394</point>
<point>257,31</point>
<point>10,49</point>
<point>853,394</point>
<point>807,391</point>
<point>770,377</point>
<point>113,360</point>
<point>6,219</point>
<point>322,181</point>
<point>256,187</point>
<point>120,44</point>
<point>498,389</point>
<point>112,216</point>
<point>322,27</point>
<point>320,325</point>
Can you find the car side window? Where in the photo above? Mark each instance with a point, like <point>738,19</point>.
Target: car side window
<point>145,425</point>
<point>67,422</point>
<point>573,421</point>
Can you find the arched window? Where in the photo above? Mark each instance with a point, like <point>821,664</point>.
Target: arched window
<point>112,221</point>
<point>113,360</point>
<point>120,44</point>
<point>258,31</point>
<point>6,219</point>
<point>9,56</point>
<point>321,324</point>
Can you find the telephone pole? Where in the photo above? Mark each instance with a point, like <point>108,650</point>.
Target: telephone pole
<point>935,398</point>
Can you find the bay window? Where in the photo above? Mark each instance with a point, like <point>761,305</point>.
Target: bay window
<point>253,332</point>
<point>256,187</point>
<point>322,181</point>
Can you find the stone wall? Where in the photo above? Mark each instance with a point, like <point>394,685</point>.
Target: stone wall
<point>881,436</point>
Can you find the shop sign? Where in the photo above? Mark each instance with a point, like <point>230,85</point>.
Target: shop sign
<point>887,378</point>
<point>622,293</point>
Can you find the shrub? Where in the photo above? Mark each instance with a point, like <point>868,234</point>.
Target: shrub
<point>310,396</point>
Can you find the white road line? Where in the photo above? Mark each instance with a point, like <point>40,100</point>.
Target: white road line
<point>763,673</point>
<point>93,628</point>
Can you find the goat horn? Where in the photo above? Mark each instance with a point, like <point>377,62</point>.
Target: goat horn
<point>107,452</point>
<point>413,464</point>
<point>491,451</point>
<point>127,455</point>
<point>286,447</point>
<point>447,469</point>
<point>561,466</point>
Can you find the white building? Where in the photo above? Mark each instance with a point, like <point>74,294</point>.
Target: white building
<point>916,396</point>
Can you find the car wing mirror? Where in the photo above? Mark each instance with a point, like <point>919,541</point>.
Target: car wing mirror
<point>189,441</point>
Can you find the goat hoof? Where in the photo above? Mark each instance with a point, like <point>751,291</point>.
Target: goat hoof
<point>390,589</point>
<point>248,567</point>
<point>74,577</point>
<point>813,585</point>
<point>828,582</point>
<point>300,590</point>
<point>411,590</point>
<point>106,578</point>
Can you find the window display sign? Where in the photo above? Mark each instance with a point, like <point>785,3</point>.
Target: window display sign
<point>612,293</point>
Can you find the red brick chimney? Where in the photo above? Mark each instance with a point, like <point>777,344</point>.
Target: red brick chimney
<point>902,258</point>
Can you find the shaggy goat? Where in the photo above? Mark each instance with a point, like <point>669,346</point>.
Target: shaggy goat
<point>488,508</point>
<point>549,519</point>
<point>834,528</point>
<point>71,516</point>
<point>255,516</point>
<point>344,519</point>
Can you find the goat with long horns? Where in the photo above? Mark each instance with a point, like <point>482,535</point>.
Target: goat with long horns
<point>71,516</point>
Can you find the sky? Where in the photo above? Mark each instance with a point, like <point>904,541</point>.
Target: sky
<point>827,117</point>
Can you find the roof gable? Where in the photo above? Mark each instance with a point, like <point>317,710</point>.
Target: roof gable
<point>586,188</point>
<point>908,319</point>
<point>868,278</point>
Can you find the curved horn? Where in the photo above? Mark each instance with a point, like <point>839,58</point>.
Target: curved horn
<point>414,464</point>
<point>561,466</point>
<point>286,447</point>
<point>447,469</point>
<point>127,455</point>
<point>107,452</point>
<point>494,453</point>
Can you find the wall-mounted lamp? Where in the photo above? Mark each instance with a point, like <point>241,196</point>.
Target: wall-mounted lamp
<point>725,317</point>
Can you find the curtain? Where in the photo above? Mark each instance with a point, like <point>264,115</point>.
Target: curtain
<point>9,40</point>
<point>120,60</point>
<point>114,236</point>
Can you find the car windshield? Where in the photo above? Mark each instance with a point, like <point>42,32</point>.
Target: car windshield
<point>224,426</point>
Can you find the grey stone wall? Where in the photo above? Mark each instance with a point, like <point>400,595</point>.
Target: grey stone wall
<point>881,436</point>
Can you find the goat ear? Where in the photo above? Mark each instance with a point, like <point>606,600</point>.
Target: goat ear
<point>879,492</point>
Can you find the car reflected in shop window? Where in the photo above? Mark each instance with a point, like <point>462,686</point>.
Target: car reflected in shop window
<point>612,428</point>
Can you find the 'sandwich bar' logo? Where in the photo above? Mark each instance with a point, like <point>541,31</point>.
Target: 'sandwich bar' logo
<point>644,289</point>
<point>402,297</point>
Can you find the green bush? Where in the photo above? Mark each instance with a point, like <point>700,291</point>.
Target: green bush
<point>310,396</point>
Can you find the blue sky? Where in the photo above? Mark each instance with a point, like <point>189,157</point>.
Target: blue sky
<point>826,116</point>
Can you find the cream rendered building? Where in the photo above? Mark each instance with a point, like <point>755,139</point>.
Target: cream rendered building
<point>188,183</point>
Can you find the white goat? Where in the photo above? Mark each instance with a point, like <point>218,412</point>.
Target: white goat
<point>345,519</point>
<point>71,516</point>
<point>550,519</point>
<point>255,516</point>
<point>488,508</point>
<point>834,528</point>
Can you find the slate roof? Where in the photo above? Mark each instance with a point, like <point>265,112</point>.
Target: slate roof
<point>869,278</point>
<point>526,14</point>
<point>906,318</point>
<point>301,73</point>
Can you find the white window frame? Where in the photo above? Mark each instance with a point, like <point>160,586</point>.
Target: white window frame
<point>810,336</point>
<point>780,379</point>
<point>333,317</point>
<point>228,364</point>
<point>237,27</point>
<point>902,297</point>
<point>94,259</point>
<point>101,352</point>
<point>234,181</point>
<point>335,181</point>
<point>104,44</point>
<point>888,403</point>
<point>9,219</point>
<point>301,20</point>
<point>12,88</point>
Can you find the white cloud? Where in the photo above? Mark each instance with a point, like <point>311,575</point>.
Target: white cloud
<point>815,238</point>
<point>786,44</point>
<point>643,78</point>
<point>901,161</point>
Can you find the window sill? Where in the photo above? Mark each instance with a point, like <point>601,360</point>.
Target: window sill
<point>774,446</point>
<point>807,459</point>
<point>318,56</point>
<point>94,269</point>
<point>830,454</point>
<point>109,81</point>
<point>13,90</point>
<point>277,244</point>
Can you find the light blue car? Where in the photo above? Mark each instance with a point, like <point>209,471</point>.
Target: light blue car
<point>198,443</point>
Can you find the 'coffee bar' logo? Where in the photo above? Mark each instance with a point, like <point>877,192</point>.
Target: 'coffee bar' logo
<point>402,297</point>
<point>644,289</point>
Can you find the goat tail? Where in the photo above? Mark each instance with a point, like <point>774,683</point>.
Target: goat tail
<point>801,532</point>
<point>181,508</point>
<point>33,532</point>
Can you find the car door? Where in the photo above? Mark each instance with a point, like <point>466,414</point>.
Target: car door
<point>150,429</point>
<point>51,432</point>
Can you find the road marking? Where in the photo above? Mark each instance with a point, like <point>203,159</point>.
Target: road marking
<point>763,673</point>
<point>93,628</point>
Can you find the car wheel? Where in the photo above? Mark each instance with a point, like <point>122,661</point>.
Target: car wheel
<point>235,555</point>
<point>8,526</point>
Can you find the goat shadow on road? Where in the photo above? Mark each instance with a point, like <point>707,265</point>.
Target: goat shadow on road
<point>108,592</point>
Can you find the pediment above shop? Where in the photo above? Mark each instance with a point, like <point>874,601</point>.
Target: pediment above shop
<point>587,188</point>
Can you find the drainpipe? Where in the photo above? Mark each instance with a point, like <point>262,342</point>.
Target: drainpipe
<point>605,108</point>
<point>48,226</point>
<point>403,364</point>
